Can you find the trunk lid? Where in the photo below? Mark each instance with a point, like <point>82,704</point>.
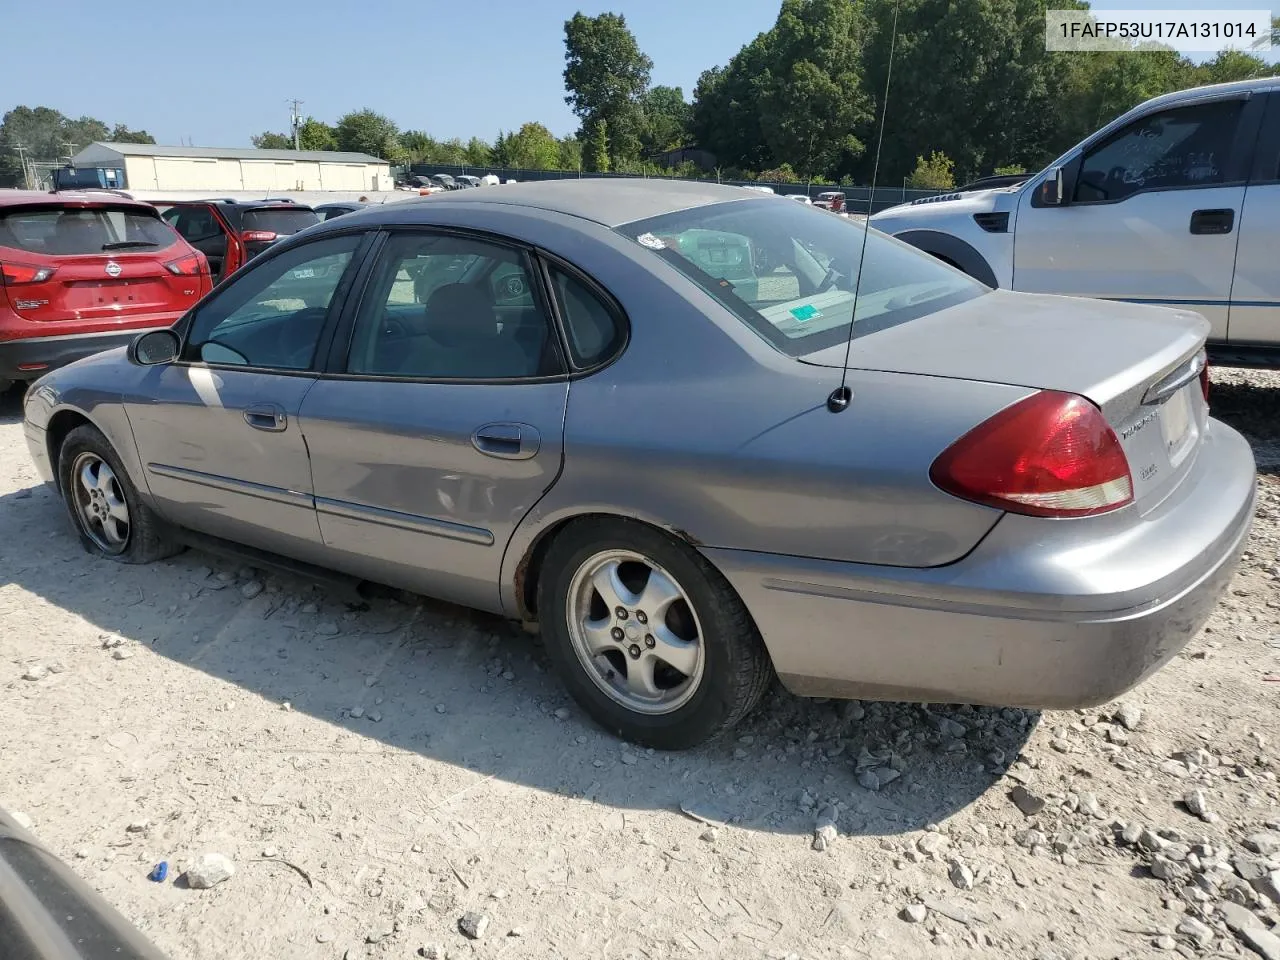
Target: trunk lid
<point>1123,357</point>
<point>99,287</point>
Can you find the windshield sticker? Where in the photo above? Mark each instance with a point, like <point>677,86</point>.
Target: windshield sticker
<point>650,241</point>
<point>807,312</point>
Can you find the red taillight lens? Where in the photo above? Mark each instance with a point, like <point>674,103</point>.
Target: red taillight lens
<point>12,274</point>
<point>1050,455</point>
<point>188,266</point>
<point>257,236</point>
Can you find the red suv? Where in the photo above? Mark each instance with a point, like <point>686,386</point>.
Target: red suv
<point>82,273</point>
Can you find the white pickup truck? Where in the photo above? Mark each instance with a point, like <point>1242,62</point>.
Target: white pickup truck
<point>1177,202</point>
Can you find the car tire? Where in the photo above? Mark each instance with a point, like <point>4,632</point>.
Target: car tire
<point>698,623</point>
<point>109,516</point>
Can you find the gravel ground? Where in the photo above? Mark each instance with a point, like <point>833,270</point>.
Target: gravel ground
<point>397,779</point>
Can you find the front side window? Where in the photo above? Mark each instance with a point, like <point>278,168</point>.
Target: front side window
<point>448,307</point>
<point>789,271</point>
<point>78,231</point>
<point>1184,147</point>
<point>272,315</point>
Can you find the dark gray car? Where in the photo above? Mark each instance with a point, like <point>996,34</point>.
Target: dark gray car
<point>633,412</point>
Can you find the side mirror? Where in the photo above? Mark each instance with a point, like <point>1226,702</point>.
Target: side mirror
<point>1053,188</point>
<point>155,347</point>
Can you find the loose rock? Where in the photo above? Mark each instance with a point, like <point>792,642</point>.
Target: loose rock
<point>251,589</point>
<point>914,913</point>
<point>327,629</point>
<point>562,713</point>
<point>121,653</point>
<point>1262,941</point>
<point>209,870</point>
<point>1239,918</point>
<point>1197,804</point>
<point>37,671</point>
<point>1128,715</point>
<point>960,874</point>
<point>1264,844</point>
<point>473,925</point>
<point>432,951</point>
<point>1029,803</point>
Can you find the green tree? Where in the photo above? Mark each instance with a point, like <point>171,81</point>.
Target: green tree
<point>596,152</point>
<point>1011,170</point>
<point>533,147</point>
<point>47,135</point>
<point>813,102</point>
<point>935,173</point>
<point>1231,65</point>
<point>122,134</point>
<point>667,119</point>
<point>779,174</point>
<point>570,153</point>
<point>726,107</point>
<point>501,154</point>
<point>272,141</point>
<point>365,131</point>
<point>418,145</point>
<point>606,76</point>
<point>477,153</point>
<point>315,134</point>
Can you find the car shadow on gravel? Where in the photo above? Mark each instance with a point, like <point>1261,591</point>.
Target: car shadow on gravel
<point>1254,410</point>
<point>475,691</point>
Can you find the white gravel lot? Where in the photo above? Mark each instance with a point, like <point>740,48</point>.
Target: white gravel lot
<point>377,775</point>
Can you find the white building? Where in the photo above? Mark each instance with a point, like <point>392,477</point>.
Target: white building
<point>152,168</point>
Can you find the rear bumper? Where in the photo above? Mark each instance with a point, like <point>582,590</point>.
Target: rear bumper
<point>42,354</point>
<point>1041,614</point>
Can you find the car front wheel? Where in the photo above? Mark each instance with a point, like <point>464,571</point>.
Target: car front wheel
<point>649,638</point>
<point>110,518</point>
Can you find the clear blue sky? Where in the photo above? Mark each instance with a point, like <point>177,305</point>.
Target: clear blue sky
<point>218,71</point>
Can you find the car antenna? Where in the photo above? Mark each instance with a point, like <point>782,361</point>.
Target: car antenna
<point>841,395</point>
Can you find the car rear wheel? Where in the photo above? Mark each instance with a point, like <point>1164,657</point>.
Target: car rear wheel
<point>110,518</point>
<point>649,638</point>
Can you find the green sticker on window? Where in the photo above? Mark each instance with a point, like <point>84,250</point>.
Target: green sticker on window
<point>807,312</point>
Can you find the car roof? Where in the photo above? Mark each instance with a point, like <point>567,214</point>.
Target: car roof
<point>78,198</point>
<point>608,201</point>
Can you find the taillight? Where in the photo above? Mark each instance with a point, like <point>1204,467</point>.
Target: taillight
<point>257,236</point>
<point>188,266</point>
<point>1050,455</point>
<point>12,274</point>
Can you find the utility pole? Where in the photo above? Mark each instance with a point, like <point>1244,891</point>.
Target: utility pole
<point>295,120</point>
<point>21,150</point>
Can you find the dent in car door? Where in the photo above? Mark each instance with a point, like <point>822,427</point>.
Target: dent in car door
<point>1154,217</point>
<point>218,433</point>
<point>444,427</point>
<point>1255,295</point>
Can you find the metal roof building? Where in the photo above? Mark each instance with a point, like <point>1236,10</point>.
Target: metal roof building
<point>152,167</point>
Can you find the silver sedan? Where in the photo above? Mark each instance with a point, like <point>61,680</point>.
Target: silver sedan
<point>700,436</point>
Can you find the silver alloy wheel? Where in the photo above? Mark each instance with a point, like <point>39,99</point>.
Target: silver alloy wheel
<point>635,632</point>
<point>104,515</point>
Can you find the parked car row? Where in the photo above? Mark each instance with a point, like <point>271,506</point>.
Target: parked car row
<point>484,397</point>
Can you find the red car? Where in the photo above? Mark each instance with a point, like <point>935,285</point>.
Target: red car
<point>82,273</point>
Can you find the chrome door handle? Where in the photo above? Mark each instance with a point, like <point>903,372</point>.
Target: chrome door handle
<point>266,416</point>
<point>507,441</point>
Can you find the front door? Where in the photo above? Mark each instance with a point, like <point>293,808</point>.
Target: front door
<point>440,423</point>
<point>1255,295</point>
<point>218,434</point>
<point>1154,217</point>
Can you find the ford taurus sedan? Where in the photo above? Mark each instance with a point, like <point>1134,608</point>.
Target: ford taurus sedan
<point>700,436</point>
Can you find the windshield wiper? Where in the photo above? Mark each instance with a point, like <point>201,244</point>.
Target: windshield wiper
<point>126,244</point>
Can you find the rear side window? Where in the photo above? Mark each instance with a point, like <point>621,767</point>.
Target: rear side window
<point>72,231</point>
<point>593,330</point>
<point>282,222</point>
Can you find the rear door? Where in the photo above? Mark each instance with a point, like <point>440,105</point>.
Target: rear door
<point>218,431</point>
<point>1155,213</point>
<point>102,267</point>
<point>198,225</point>
<point>439,424</point>
<point>1255,295</point>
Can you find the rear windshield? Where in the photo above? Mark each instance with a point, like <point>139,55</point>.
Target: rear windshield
<point>788,270</point>
<point>76,231</point>
<point>277,220</point>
